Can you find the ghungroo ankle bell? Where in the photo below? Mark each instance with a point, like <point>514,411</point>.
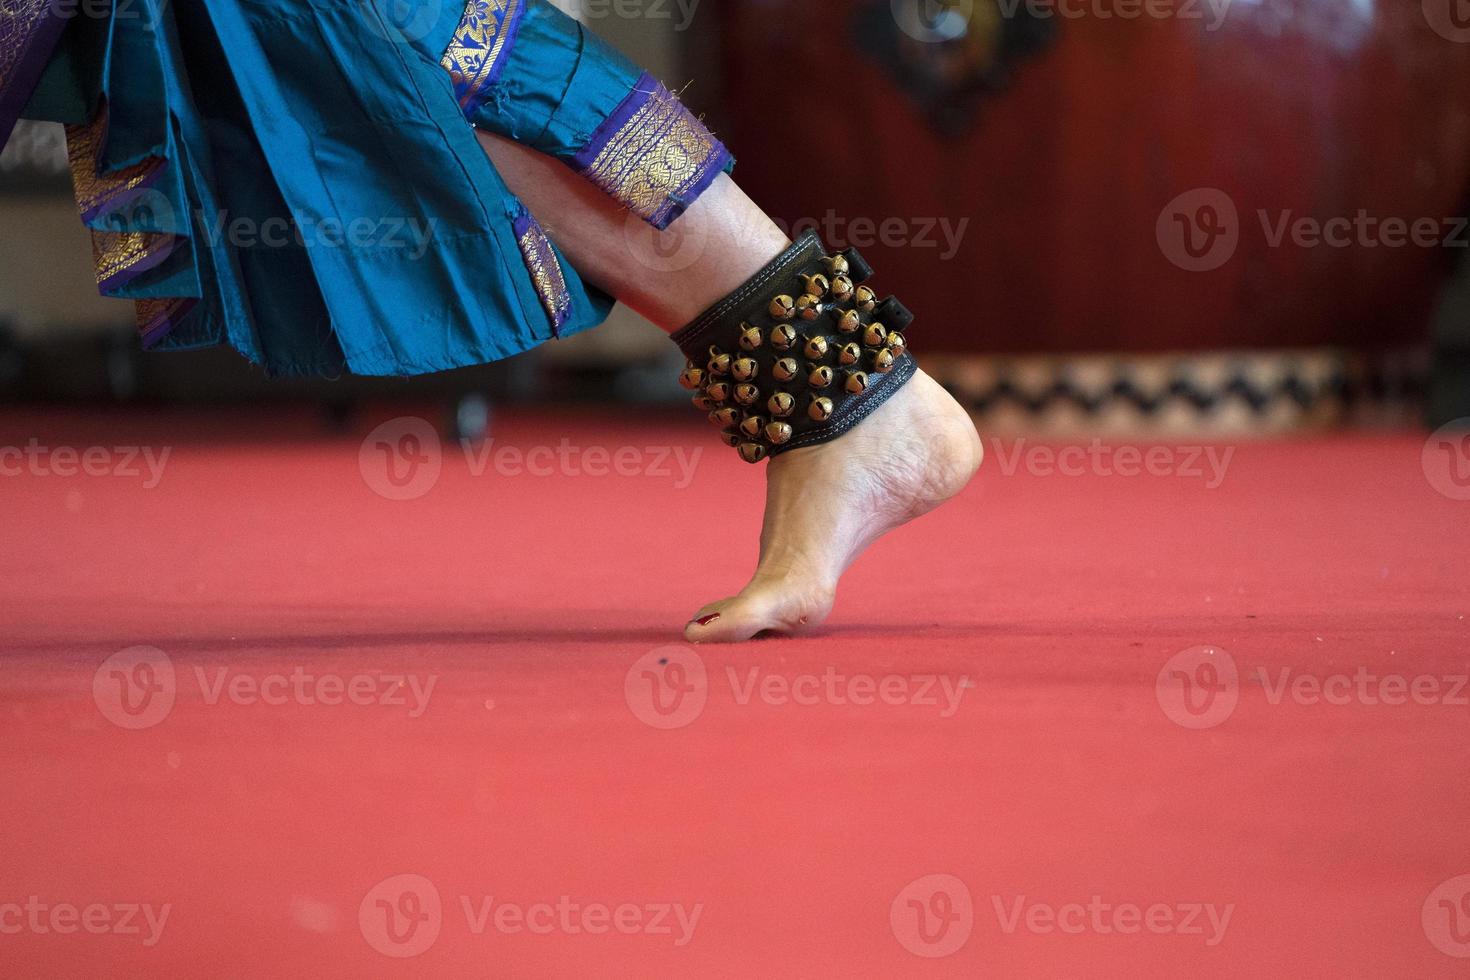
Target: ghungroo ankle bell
<point>770,388</point>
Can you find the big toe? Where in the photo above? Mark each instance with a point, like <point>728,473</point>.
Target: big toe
<point>753,612</point>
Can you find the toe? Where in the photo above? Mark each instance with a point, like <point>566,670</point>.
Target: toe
<point>755,611</point>
<point>730,621</point>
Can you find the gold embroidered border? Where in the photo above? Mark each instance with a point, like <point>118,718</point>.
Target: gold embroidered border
<point>117,253</point>
<point>93,190</point>
<point>546,274</point>
<point>657,155</point>
<point>18,20</point>
<point>478,44</point>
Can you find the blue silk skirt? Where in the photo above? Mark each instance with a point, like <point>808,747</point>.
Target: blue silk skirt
<point>300,179</point>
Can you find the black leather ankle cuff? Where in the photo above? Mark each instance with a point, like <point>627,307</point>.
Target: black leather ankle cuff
<point>799,354</point>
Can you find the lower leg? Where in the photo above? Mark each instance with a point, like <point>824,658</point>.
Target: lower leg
<point>824,503</point>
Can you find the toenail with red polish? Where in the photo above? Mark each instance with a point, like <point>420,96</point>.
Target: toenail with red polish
<point>706,620</point>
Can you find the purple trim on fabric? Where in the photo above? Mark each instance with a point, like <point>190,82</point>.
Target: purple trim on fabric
<point>155,330</point>
<point>123,198</point>
<point>714,165</point>
<point>152,259</point>
<point>35,48</point>
<point>557,305</point>
<point>523,222</point>
<point>472,93</point>
<point>643,90</point>
<point>512,30</point>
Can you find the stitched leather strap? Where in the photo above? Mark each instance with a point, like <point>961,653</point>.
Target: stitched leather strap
<point>799,354</point>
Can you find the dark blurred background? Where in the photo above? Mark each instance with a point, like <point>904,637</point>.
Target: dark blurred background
<point>1109,215</point>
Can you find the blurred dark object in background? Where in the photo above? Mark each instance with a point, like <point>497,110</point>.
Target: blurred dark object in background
<point>1103,220</point>
<point>1275,110</point>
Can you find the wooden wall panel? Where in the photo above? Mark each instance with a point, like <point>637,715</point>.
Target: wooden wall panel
<point>1319,108</point>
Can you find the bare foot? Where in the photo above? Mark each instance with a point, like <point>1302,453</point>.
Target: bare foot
<point>825,504</point>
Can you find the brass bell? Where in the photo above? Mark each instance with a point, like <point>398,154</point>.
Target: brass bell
<point>691,378</point>
<point>752,452</point>
<point>744,368</point>
<point>883,360</point>
<point>856,383</point>
<point>778,433</point>
<point>718,392</point>
<point>719,363</point>
<point>836,264</point>
<point>785,369</point>
<point>897,343</point>
<point>783,336</point>
<point>849,353</point>
<point>816,348</point>
<point>816,285</point>
<point>820,410</point>
<point>866,299</point>
<point>783,307</point>
<point>724,417</point>
<point>820,376</point>
<point>875,335</point>
<point>750,338</point>
<point>809,306</point>
<point>704,403</point>
<point>849,321</point>
<point>747,394</point>
<point>731,438</point>
<point>842,287</point>
<point>752,426</point>
<point>781,404</point>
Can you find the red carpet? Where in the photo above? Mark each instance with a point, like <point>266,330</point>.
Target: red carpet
<point>993,704</point>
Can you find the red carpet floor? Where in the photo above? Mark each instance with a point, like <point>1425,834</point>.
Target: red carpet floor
<point>460,726</point>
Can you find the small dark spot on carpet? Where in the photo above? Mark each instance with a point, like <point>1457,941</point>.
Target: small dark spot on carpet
<point>662,661</point>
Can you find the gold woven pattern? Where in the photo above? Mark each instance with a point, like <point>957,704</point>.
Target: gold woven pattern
<point>18,19</point>
<point>478,44</point>
<point>546,273</point>
<point>118,252</point>
<point>656,156</point>
<point>93,190</point>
